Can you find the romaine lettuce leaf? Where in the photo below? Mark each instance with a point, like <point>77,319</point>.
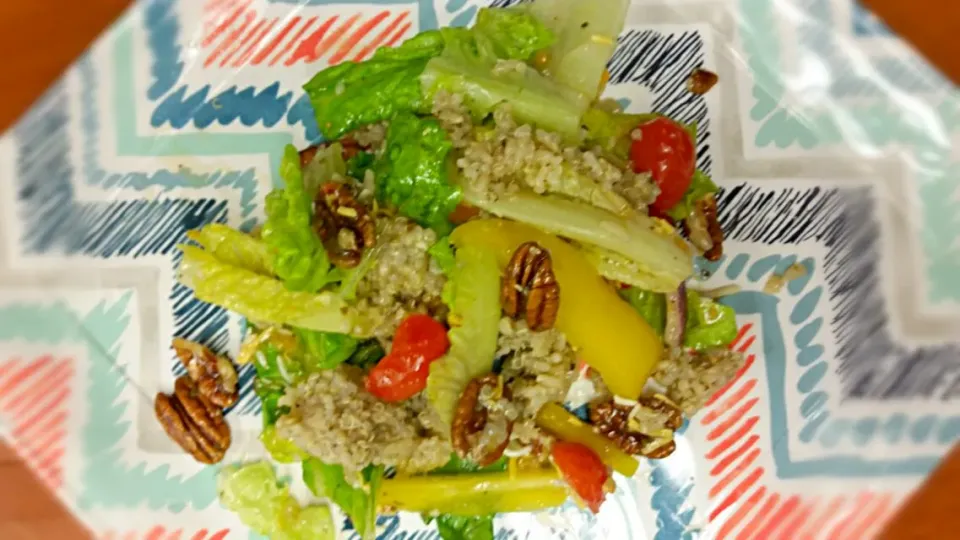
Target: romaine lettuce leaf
<point>367,355</point>
<point>234,247</point>
<point>412,173</point>
<point>327,165</point>
<point>473,344</point>
<point>442,253</point>
<point>350,95</point>
<point>652,257</point>
<point>709,324</point>
<point>611,130</point>
<point>453,527</point>
<point>650,305</point>
<point>280,449</point>
<point>512,33</point>
<point>253,492</point>
<point>359,503</point>
<point>700,186</point>
<point>299,257</point>
<point>262,298</point>
<point>324,350</point>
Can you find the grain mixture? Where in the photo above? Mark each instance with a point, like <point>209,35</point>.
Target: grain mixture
<point>691,378</point>
<point>335,419</point>
<point>538,368</point>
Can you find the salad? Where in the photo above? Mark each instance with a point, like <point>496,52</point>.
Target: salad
<point>476,296</point>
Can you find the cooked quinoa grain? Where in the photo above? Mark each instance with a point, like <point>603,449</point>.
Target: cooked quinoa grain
<point>692,378</point>
<point>335,419</point>
<point>539,368</point>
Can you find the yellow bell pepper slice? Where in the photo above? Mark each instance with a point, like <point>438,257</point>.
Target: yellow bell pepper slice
<point>565,426</point>
<point>607,333</point>
<point>474,494</point>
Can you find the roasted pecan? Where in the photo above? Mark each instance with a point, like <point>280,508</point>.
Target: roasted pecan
<point>343,224</point>
<point>215,377</point>
<point>193,422</point>
<point>703,229</point>
<point>350,148</point>
<point>701,81</point>
<point>530,289</point>
<point>482,422</point>
<point>644,429</point>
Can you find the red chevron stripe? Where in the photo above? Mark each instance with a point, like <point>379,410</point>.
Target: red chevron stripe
<point>875,519</point>
<point>226,23</point>
<point>293,41</point>
<point>729,403</point>
<point>840,529</point>
<point>818,524</point>
<point>277,39</point>
<point>248,18</point>
<point>741,431</point>
<point>159,532</point>
<point>381,38</point>
<point>355,38</point>
<point>333,38</point>
<point>733,456</point>
<point>255,46</point>
<point>732,420</point>
<point>737,492</point>
<point>734,473</point>
<point>400,33</point>
<point>247,38</point>
<point>34,396</point>
<point>778,518</point>
<point>748,505</point>
<point>791,530</point>
<point>768,505</point>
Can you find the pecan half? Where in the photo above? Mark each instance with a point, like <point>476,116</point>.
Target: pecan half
<point>645,429</point>
<point>215,377</point>
<point>701,81</point>
<point>482,422</point>
<point>530,287</point>
<point>703,228</point>
<point>193,422</point>
<point>343,224</point>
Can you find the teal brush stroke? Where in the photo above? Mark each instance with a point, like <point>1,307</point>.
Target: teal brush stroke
<point>105,482</point>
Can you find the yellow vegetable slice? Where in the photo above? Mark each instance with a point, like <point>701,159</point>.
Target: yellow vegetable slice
<point>555,419</point>
<point>606,332</point>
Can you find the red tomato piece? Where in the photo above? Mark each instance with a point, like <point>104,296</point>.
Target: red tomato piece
<point>402,374</point>
<point>666,151</point>
<point>421,334</point>
<point>583,471</point>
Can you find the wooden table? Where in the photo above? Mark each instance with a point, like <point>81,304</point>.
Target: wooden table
<point>38,40</point>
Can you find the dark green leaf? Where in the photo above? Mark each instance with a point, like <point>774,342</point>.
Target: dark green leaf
<point>465,528</point>
<point>359,504</point>
<point>357,165</point>
<point>367,355</point>
<point>324,350</point>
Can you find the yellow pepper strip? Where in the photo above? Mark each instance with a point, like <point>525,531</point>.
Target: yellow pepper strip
<point>474,494</point>
<point>609,335</point>
<point>565,426</point>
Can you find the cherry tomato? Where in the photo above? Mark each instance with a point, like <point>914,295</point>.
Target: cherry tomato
<point>583,471</point>
<point>667,152</point>
<point>402,374</point>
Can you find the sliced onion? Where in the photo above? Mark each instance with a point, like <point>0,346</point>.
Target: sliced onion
<point>676,316</point>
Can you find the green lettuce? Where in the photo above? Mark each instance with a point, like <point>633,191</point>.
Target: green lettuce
<point>709,324</point>
<point>512,33</point>
<point>453,527</point>
<point>358,503</point>
<point>262,298</point>
<point>442,253</point>
<point>351,94</point>
<point>358,165</point>
<point>324,350</point>
<point>611,130</point>
<point>700,186</point>
<point>473,343</point>
<point>367,355</point>
<point>413,172</point>
<point>650,305</point>
<point>299,257</point>
<point>234,247</point>
<point>265,505</point>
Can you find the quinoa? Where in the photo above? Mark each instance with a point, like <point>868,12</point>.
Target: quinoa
<point>404,278</point>
<point>502,159</point>
<point>691,378</point>
<point>335,419</point>
<point>371,136</point>
<point>539,368</point>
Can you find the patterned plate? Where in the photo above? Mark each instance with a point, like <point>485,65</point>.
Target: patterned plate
<point>835,146</point>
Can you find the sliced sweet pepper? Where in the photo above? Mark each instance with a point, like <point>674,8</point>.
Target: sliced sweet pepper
<point>474,494</point>
<point>608,334</point>
<point>567,427</point>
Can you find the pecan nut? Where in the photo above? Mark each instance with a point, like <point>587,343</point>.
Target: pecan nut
<point>483,421</point>
<point>530,288</point>
<point>645,429</point>
<point>701,81</point>
<point>703,228</point>
<point>215,377</point>
<point>193,422</point>
<point>343,224</point>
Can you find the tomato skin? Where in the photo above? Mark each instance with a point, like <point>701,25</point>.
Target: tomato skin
<point>403,373</point>
<point>666,151</point>
<point>583,471</point>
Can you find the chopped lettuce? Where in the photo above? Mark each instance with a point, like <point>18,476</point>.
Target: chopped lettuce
<point>586,38</point>
<point>453,527</point>
<point>367,355</point>
<point>299,257</point>
<point>701,186</point>
<point>262,503</point>
<point>473,338</point>
<point>350,95</point>
<point>458,465</point>
<point>650,305</point>
<point>327,165</point>
<point>512,33</point>
<point>281,450</point>
<point>709,324</point>
<point>442,253</point>
<point>358,165</point>
<point>324,350</point>
<point>234,247</point>
<point>651,256</point>
<point>611,130</point>
<point>263,298</point>
<point>352,277</point>
<point>468,67</point>
<point>359,503</point>
<point>412,173</point>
